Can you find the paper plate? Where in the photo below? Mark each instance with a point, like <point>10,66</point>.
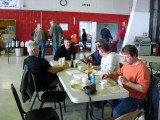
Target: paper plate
<point>78,87</point>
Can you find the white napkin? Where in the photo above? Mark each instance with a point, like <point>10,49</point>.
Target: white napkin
<point>79,76</point>
<point>71,72</point>
<point>75,81</point>
<point>113,90</point>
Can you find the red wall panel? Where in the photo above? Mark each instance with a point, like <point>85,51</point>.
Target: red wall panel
<point>26,21</point>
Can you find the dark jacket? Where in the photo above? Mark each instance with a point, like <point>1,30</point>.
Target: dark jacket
<point>106,34</point>
<point>62,52</point>
<point>96,58</point>
<point>27,86</point>
<point>152,103</point>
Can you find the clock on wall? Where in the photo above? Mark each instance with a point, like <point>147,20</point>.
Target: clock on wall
<point>63,2</point>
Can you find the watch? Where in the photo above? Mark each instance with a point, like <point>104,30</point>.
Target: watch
<point>63,2</point>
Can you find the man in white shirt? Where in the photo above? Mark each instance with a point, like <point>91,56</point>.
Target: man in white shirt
<point>109,61</point>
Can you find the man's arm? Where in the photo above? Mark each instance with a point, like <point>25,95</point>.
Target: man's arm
<point>57,69</point>
<point>58,54</point>
<point>130,84</point>
<point>112,76</point>
<point>51,32</point>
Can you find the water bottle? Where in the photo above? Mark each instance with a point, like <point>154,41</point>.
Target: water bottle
<point>92,78</point>
<point>72,61</point>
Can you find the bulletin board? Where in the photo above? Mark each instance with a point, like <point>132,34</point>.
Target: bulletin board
<point>112,27</point>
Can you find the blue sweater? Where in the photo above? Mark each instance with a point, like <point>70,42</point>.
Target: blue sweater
<point>96,58</point>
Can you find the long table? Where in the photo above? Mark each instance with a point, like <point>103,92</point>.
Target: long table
<point>81,97</point>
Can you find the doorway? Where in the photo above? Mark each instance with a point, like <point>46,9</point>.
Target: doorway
<point>91,29</point>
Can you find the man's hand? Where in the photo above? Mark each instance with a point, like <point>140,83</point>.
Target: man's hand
<point>66,65</point>
<point>60,59</point>
<point>104,76</point>
<point>88,71</point>
<point>90,58</point>
<point>84,58</point>
<point>123,80</point>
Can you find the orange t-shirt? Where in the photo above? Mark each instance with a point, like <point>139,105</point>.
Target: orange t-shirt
<point>138,74</point>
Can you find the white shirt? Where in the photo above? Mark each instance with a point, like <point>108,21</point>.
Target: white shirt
<point>109,64</point>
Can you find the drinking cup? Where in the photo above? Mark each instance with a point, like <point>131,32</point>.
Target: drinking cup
<point>80,67</point>
<point>103,84</point>
<point>84,80</point>
<point>63,60</point>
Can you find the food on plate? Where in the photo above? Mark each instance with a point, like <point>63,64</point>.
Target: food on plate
<point>78,86</point>
<point>110,82</point>
<point>116,87</point>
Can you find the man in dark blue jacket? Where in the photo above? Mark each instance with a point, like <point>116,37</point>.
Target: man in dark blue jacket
<point>95,57</point>
<point>106,35</point>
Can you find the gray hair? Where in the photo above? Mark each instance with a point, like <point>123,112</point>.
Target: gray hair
<point>32,45</point>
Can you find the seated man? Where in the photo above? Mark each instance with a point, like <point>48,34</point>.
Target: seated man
<point>95,57</point>
<point>135,77</point>
<point>65,50</point>
<point>46,71</point>
<point>109,61</point>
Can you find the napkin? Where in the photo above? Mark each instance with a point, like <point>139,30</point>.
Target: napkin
<point>116,89</point>
<point>75,81</point>
<point>79,76</point>
<point>71,72</point>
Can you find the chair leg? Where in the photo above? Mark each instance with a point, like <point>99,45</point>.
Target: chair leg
<point>41,105</point>
<point>64,106</point>
<point>33,102</point>
<point>54,105</point>
<point>60,110</point>
<point>102,109</point>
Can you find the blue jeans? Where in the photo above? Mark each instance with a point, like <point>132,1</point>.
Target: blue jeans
<point>55,47</point>
<point>5,49</point>
<point>84,43</point>
<point>120,42</point>
<point>124,105</point>
<point>106,41</point>
<point>42,50</point>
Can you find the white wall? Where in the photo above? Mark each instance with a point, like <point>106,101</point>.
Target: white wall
<point>138,22</point>
<point>96,6</point>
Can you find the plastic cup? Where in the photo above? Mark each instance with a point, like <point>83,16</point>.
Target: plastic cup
<point>103,84</point>
<point>84,80</point>
<point>80,67</point>
<point>63,60</point>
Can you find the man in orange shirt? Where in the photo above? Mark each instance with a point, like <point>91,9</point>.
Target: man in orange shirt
<point>135,77</point>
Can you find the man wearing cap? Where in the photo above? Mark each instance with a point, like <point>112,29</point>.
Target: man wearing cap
<point>121,38</point>
<point>106,35</point>
<point>95,57</point>
<point>55,34</point>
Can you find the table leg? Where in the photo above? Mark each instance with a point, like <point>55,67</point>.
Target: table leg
<point>87,110</point>
<point>8,54</point>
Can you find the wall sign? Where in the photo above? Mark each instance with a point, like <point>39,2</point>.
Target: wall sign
<point>9,4</point>
<point>64,27</point>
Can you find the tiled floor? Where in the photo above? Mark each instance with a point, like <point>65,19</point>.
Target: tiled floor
<point>12,73</point>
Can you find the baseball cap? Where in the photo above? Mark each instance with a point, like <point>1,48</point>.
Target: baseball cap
<point>99,40</point>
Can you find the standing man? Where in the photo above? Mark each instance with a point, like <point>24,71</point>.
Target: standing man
<point>65,50</point>
<point>84,39</point>
<point>106,35</point>
<point>40,36</point>
<point>135,77</point>
<point>121,38</point>
<point>55,33</point>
